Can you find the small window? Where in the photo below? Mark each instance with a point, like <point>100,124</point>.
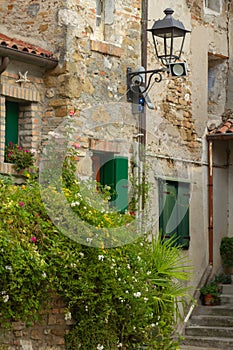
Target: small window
<point>174,211</point>
<point>12,123</point>
<point>214,5</point>
<point>104,18</point>
<point>111,170</point>
<point>217,78</point>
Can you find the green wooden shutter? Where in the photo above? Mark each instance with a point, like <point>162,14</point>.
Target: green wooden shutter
<point>183,198</point>
<point>114,173</point>
<point>167,201</point>
<point>121,183</point>
<point>174,211</point>
<point>12,114</point>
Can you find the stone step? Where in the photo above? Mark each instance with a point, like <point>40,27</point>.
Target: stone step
<point>227,289</point>
<point>223,310</point>
<point>227,299</point>
<point>208,342</point>
<point>208,331</point>
<point>212,320</point>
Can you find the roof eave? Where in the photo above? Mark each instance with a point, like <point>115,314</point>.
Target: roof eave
<point>23,56</point>
<point>220,137</point>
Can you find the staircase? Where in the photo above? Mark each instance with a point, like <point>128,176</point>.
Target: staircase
<point>211,327</point>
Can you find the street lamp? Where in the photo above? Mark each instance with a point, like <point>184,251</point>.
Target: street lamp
<point>168,38</point>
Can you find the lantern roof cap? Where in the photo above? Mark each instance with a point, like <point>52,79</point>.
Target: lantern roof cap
<point>168,24</point>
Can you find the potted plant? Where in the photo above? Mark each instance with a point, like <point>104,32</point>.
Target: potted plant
<point>226,252</point>
<point>210,294</point>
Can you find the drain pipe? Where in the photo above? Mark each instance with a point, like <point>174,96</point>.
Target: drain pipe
<point>210,199</point>
<point>142,115</point>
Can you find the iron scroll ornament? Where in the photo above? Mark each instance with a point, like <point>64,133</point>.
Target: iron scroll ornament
<point>137,79</point>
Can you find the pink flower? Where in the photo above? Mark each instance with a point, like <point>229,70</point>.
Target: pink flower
<point>71,112</point>
<point>76,145</point>
<point>11,144</point>
<point>19,147</point>
<point>34,239</point>
<point>26,150</point>
<point>21,204</point>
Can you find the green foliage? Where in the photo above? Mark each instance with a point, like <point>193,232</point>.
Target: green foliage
<point>21,158</point>
<point>223,278</point>
<point>210,288</point>
<point>118,298</point>
<point>226,251</point>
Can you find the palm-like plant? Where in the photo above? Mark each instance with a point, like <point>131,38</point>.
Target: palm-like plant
<point>170,269</point>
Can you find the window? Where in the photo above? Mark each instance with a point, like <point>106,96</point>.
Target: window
<point>111,170</point>
<point>214,5</point>
<point>217,78</point>
<point>104,17</point>
<point>12,122</point>
<point>174,211</point>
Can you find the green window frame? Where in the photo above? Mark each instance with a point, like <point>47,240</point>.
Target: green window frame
<point>12,122</point>
<point>174,198</point>
<point>112,170</point>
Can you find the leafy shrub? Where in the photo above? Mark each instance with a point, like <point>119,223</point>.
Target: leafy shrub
<point>118,298</point>
<point>226,251</point>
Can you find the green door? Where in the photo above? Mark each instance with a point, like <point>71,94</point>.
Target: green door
<point>12,116</point>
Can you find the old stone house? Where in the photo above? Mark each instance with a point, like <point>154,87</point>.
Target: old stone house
<point>65,56</point>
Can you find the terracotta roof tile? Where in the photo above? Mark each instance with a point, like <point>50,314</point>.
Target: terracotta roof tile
<point>23,46</point>
<point>225,128</point>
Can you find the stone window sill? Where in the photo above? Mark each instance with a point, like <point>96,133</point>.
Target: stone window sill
<point>106,48</point>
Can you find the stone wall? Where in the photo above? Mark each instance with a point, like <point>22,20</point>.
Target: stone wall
<point>46,334</point>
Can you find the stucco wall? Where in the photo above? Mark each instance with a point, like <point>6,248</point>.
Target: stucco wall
<point>181,128</point>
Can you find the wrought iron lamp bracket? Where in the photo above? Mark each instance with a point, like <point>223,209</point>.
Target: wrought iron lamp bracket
<point>137,83</point>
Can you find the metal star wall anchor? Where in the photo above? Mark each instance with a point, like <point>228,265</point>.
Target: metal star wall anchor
<point>23,78</point>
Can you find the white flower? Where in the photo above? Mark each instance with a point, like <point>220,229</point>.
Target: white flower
<point>5,298</point>
<point>100,347</point>
<point>81,254</point>
<point>100,257</point>
<point>73,204</point>
<point>145,299</point>
<point>89,240</point>
<point>139,258</point>
<point>7,267</point>
<point>127,292</point>
<point>148,273</point>
<point>153,324</point>
<point>137,294</point>
<point>68,316</point>
<point>128,266</point>
<point>73,265</point>
<point>44,274</point>
<point>119,345</point>
<point>33,150</point>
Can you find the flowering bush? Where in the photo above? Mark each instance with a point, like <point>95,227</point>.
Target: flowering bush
<point>22,158</point>
<point>119,298</point>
